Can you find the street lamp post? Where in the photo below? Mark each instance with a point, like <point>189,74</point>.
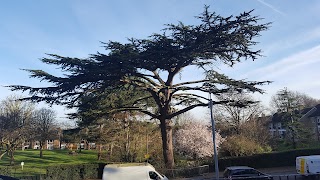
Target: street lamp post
<point>214,139</point>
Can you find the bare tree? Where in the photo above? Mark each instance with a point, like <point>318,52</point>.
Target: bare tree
<point>232,115</point>
<point>256,130</point>
<point>15,118</point>
<point>285,98</point>
<point>44,125</point>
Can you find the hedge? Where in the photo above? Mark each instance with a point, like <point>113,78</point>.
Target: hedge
<point>267,160</point>
<point>75,172</point>
<point>5,170</point>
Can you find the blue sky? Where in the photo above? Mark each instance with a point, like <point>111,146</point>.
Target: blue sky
<point>29,29</point>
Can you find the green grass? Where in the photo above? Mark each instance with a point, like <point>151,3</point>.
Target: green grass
<point>33,164</point>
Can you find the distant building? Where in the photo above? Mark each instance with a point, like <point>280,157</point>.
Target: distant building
<point>309,117</point>
<point>62,139</point>
<point>277,126</point>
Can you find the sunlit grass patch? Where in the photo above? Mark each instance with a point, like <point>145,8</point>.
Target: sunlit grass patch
<point>33,164</point>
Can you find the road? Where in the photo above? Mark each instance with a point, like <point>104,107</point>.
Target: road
<point>279,173</point>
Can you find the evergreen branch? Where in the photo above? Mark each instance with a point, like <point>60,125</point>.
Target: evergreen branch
<point>186,109</point>
<point>187,95</point>
<point>134,109</point>
<point>190,82</point>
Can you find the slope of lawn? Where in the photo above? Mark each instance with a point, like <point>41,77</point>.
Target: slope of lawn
<point>33,164</point>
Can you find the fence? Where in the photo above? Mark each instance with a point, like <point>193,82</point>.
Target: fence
<point>185,172</point>
<point>271,177</point>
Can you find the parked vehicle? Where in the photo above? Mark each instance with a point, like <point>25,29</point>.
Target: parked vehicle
<point>2,177</point>
<point>131,171</point>
<point>308,165</point>
<point>244,172</point>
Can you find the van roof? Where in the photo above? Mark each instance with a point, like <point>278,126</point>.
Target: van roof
<point>310,157</point>
<point>128,165</point>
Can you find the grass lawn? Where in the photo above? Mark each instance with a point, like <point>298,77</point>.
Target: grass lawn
<point>33,164</point>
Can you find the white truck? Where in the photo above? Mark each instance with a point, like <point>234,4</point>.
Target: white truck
<point>308,165</point>
<point>131,171</point>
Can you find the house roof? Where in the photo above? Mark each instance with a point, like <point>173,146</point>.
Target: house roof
<point>265,119</point>
<point>305,110</point>
<point>278,117</point>
<point>316,112</point>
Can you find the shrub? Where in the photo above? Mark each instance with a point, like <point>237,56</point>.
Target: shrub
<point>239,145</point>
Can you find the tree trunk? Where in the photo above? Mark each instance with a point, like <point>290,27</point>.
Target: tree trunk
<point>41,149</point>
<point>127,144</point>
<point>11,154</point>
<point>166,133</point>
<point>294,144</point>
<point>79,150</point>
<point>110,151</point>
<point>99,152</point>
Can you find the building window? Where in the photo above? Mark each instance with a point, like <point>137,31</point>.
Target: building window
<point>279,126</point>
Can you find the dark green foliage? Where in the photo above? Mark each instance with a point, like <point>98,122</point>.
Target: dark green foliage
<point>96,106</point>
<point>298,133</point>
<point>216,39</point>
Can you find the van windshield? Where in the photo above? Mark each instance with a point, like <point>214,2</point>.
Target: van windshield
<point>154,175</point>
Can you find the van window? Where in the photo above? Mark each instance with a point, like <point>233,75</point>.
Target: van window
<point>154,175</point>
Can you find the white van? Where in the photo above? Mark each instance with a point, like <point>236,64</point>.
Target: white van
<point>308,165</point>
<point>131,171</point>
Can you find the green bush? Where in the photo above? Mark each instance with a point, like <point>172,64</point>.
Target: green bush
<point>6,170</point>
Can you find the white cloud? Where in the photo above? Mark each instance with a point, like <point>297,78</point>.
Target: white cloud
<point>271,7</point>
<point>295,40</point>
<point>295,63</point>
<point>298,72</point>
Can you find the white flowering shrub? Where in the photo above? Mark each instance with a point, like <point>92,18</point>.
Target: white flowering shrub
<point>195,140</point>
